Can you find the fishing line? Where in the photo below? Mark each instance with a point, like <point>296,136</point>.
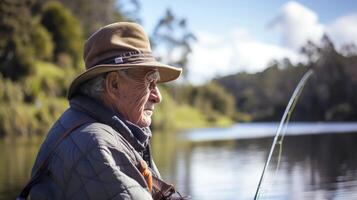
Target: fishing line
<point>283,123</point>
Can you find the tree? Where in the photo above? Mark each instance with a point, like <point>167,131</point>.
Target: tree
<point>65,29</point>
<point>16,50</point>
<point>93,14</point>
<point>212,99</point>
<point>41,41</point>
<point>349,50</point>
<point>173,40</point>
<point>329,95</point>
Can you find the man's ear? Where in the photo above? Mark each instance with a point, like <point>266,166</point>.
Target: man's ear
<point>112,84</point>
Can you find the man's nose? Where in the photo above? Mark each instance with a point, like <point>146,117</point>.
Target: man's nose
<point>155,95</point>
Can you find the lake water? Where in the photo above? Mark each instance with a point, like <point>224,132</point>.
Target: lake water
<point>318,162</point>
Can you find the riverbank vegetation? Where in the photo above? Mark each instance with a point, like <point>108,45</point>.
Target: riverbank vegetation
<point>41,52</point>
<point>41,45</point>
<point>330,95</point>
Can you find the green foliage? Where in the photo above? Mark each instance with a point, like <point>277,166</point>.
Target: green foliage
<point>163,120</point>
<point>33,90</point>
<point>42,42</point>
<point>16,50</point>
<point>330,94</point>
<point>47,79</point>
<point>187,117</point>
<point>9,91</point>
<point>211,99</point>
<point>21,119</point>
<point>65,29</point>
<point>16,120</point>
<point>170,116</point>
<point>30,106</point>
<point>93,14</point>
<point>18,117</point>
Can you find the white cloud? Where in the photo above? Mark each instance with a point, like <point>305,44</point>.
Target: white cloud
<point>211,56</point>
<point>343,30</point>
<point>256,55</point>
<point>297,24</point>
<point>236,51</point>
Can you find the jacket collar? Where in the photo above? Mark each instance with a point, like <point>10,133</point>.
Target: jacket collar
<point>136,136</point>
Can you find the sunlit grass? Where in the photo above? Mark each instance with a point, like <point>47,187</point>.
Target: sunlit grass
<point>187,117</point>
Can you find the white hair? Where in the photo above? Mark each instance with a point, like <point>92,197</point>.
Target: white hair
<point>95,87</point>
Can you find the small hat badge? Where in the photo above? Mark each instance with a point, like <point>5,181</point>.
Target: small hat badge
<point>118,60</point>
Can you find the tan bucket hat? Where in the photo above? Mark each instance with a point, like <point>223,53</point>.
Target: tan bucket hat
<point>121,45</point>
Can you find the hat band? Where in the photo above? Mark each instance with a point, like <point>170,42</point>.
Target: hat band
<point>126,58</point>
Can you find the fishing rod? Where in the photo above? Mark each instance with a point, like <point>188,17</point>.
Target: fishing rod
<point>283,123</point>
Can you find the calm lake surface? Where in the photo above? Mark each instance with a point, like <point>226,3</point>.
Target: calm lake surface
<point>319,161</point>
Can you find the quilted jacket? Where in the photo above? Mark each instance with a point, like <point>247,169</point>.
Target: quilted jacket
<point>96,160</point>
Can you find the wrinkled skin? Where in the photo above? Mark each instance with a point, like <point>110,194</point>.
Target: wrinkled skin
<point>134,96</point>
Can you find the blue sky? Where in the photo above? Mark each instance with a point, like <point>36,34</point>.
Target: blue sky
<point>249,34</point>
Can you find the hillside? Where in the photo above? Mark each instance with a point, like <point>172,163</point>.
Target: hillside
<point>330,95</point>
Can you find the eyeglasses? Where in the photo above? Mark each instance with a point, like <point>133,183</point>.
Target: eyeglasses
<point>150,77</point>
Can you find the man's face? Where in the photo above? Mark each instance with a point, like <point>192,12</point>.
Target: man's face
<point>137,95</point>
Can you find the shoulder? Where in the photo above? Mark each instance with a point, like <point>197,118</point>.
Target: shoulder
<point>93,146</point>
<point>101,136</point>
<point>97,133</point>
<point>90,133</point>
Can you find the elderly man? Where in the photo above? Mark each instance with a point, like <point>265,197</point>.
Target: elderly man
<point>99,148</point>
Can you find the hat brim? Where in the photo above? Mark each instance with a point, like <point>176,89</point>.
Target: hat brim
<point>167,73</point>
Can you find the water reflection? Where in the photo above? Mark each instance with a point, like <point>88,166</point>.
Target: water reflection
<point>259,130</point>
<point>318,166</point>
<point>16,160</point>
